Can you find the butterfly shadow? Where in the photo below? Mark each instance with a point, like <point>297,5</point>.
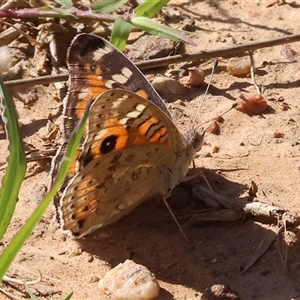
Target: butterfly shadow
<point>217,251</point>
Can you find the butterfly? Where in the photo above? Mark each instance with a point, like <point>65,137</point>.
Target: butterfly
<point>131,150</point>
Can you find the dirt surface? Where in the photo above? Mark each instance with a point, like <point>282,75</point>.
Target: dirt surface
<point>248,151</point>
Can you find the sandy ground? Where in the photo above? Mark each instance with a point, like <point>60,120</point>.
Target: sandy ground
<point>248,151</point>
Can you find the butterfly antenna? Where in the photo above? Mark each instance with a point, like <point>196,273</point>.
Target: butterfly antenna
<point>206,91</point>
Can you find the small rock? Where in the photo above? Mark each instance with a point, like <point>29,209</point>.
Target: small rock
<point>30,98</point>
<point>39,192</point>
<point>220,292</point>
<point>90,258</point>
<point>188,24</point>
<point>195,77</point>
<point>129,281</point>
<point>165,85</point>
<point>239,66</point>
<point>93,279</point>
<point>151,46</point>
<point>171,13</point>
<point>75,251</point>
<point>214,128</point>
<point>254,105</point>
<point>12,63</point>
<point>6,58</point>
<point>216,149</point>
<point>289,54</point>
<point>278,135</point>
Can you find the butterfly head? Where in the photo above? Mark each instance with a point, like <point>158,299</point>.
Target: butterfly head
<point>195,138</point>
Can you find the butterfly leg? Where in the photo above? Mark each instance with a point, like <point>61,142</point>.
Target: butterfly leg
<point>174,217</point>
<point>215,200</point>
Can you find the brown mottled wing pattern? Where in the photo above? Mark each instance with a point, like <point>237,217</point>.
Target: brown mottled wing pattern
<point>132,152</point>
<point>96,66</point>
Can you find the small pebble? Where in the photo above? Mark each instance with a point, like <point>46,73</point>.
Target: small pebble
<point>195,77</point>
<point>6,58</point>
<point>216,149</point>
<point>188,24</point>
<point>93,279</point>
<point>129,281</point>
<point>278,135</point>
<point>75,252</point>
<point>90,258</point>
<point>289,53</point>
<point>239,66</point>
<point>220,292</point>
<point>285,106</point>
<point>214,128</point>
<point>254,105</point>
<point>165,85</point>
<point>150,47</point>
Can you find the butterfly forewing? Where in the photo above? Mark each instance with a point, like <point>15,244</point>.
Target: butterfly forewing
<point>96,66</point>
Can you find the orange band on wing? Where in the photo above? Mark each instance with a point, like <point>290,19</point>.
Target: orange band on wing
<point>96,86</point>
<point>144,127</point>
<point>73,168</point>
<point>155,138</point>
<point>142,93</point>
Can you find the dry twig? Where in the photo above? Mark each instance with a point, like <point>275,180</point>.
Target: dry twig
<point>245,208</point>
<point>230,51</point>
<point>22,282</point>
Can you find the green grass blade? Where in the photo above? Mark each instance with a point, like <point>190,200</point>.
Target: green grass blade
<point>18,240</point>
<point>120,33</point>
<point>16,168</point>
<point>150,7</point>
<point>161,30</point>
<point>68,297</point>
<point>30,293</point>
<point>107,6</point>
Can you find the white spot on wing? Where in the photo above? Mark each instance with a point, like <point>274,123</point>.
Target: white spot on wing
<point>120,78</point>
<point>98,54</point>
<point>117,103</point>
<point>123,121</point>
<point>133,114</point>
<point>140,107</point>
<point>109,84</point>
<point>126,72</point>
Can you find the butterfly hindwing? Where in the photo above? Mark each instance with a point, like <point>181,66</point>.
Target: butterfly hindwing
<point>129,141</point>
<point>120,119</point>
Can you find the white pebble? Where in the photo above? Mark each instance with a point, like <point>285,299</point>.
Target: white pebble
<point>6,58</point>
<point>129,281</point>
